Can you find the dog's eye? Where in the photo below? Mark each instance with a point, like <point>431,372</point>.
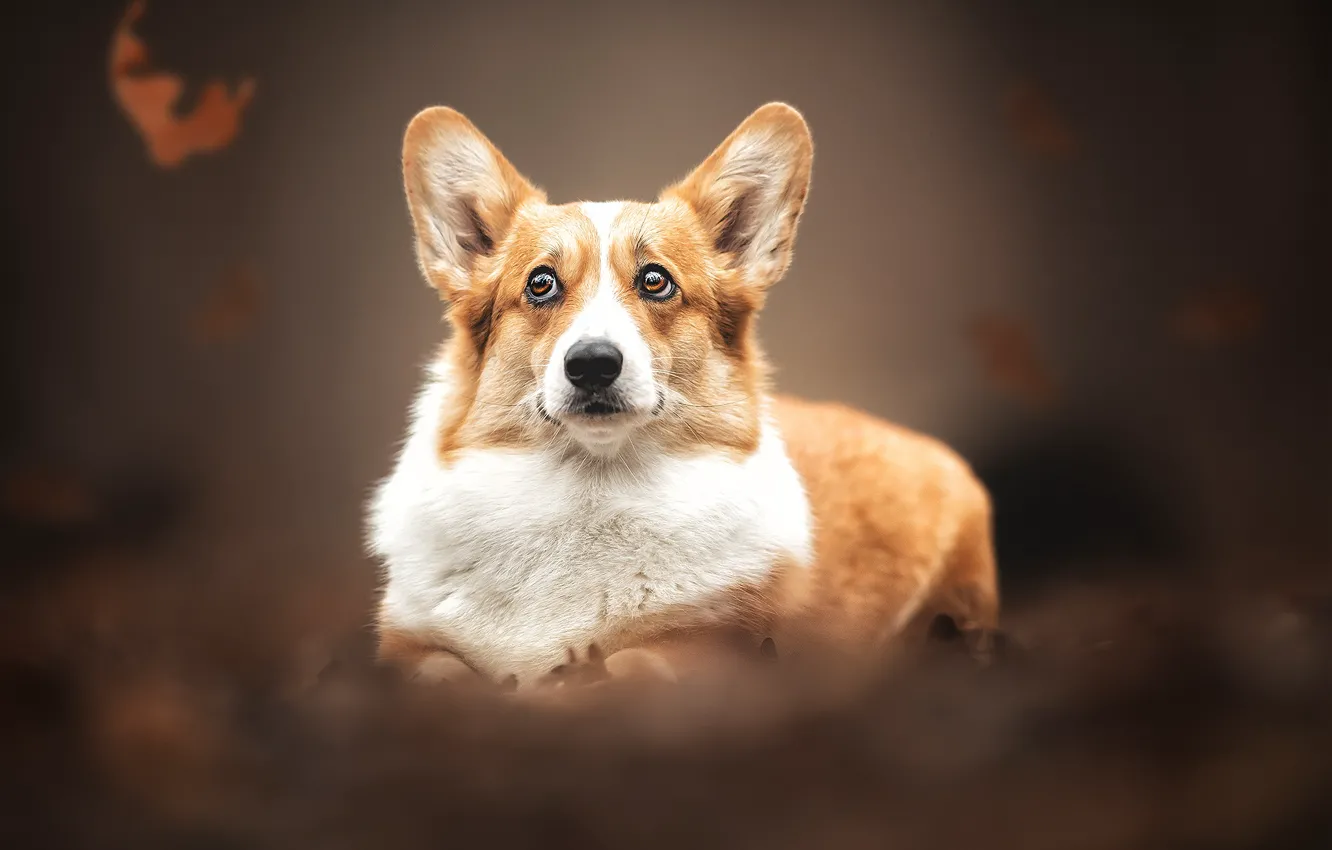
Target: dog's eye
<point>655,284</point>
<point>542,285</point>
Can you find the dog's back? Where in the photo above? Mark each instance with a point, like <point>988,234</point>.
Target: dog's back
<point>901,524</point>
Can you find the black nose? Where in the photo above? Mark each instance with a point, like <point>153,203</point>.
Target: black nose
<point>593,364</point>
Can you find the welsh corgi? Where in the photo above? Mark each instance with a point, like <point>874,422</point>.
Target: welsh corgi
<point>597,463</point>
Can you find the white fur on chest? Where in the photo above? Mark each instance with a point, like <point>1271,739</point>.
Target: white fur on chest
<point>509,557</point>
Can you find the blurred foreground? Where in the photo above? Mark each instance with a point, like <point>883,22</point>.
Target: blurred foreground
<point>154,702</point>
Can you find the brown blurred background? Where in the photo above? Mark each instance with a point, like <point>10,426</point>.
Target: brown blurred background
<point>1078,243</point>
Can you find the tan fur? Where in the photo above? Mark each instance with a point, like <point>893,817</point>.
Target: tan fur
<point>902,532</point>
<point>902,526</point>
<point>418,659</point>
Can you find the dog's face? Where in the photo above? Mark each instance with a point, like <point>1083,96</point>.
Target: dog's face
<point>604,325</point>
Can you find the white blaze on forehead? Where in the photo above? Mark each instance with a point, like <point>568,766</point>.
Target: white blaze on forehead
<point>603,314</point>
<point>603,215</point>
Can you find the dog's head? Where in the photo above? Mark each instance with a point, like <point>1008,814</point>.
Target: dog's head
<point>604,325</point>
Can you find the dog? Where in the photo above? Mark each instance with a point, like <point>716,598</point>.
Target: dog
<point>597,462</point>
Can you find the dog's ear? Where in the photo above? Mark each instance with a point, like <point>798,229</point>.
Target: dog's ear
<point>462,193</point>
<point>750,192</point>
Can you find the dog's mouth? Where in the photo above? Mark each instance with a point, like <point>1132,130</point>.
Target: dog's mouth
<point>598,407</point>
<point>592,407</point>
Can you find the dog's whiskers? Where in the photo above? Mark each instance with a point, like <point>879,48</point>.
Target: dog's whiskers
<point>739,401</point>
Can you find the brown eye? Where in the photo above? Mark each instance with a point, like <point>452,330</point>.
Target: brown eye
<point>542,285</point>
<point>655,284</point>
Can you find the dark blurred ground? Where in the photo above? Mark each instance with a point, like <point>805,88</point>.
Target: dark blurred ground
<point>1080,244</point>
<point>146,702</point>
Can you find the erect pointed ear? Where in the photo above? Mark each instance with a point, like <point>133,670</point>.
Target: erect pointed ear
<point>463,195</point>
<point>750,192</point>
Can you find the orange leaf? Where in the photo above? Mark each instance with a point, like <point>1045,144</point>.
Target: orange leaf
<point>1217,317</point>
<point>1038,126</point>
<point>231,308</point>
<point>46,496</point>
<point>1011,360</point>
<point>148,98</point>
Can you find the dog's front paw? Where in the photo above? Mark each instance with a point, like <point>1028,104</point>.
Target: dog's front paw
<point>580,679</point>
<point>443,667</point>
<point>638,664</point>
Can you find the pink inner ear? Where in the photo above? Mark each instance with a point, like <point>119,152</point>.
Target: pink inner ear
<point>462,192</point>
<point>752,190</point>
<point>736,229</point>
